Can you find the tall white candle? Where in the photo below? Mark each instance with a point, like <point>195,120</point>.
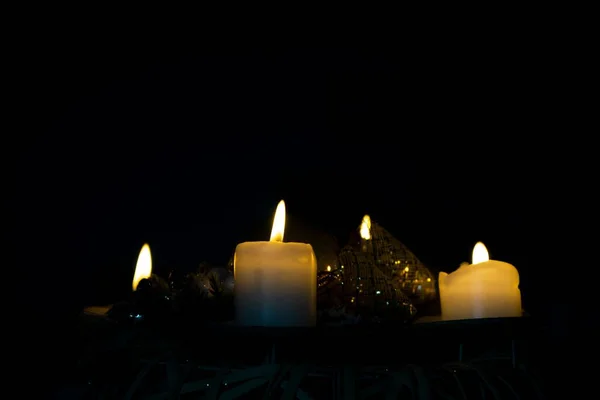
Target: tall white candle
<point>275,282</point>
<point>143,267</point>
<point>484,289</point>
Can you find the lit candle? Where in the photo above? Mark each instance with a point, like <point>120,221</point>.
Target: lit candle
<point>484,289</point>
<point>143,267</point>
<point>365,228</point>
<point>275,282</point>
<point>143,270</point>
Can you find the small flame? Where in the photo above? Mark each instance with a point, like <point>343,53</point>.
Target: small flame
<point>143,268</point>
<point>278,223</point>
<point>365,228</point>
<point>329,268</point>
<point>480,253</point>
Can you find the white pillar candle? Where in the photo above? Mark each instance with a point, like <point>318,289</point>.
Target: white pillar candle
<point>484,289</point>
<point>143,267</point>
<point>275,282</point>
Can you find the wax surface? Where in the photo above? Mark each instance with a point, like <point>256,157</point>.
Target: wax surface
<point>97,310</point>
<point>275,284</point>
<point>489,289</point>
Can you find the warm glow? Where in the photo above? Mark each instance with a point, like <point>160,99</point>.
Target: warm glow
<point>406,269</point>
<point>329,268</point>
<point>278,223</point>
<point>143,268</point>
<point>480,254</point>
<point>365,228</point>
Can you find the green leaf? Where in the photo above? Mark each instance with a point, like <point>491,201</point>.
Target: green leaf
<point>297,374</point>
<point>423,386</point>
<point>215,386</point>
<point>374,389</point>
<point>139,378</point>
<point>263,371</point>
<point>174,378</point>
<point>196,386</point>
<point>277,378</point>
<point>244,388</point>
<point>349,381</point>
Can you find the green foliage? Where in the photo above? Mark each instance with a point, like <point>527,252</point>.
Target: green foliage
<point>204,296</point>
<point>216,285</point>
<point>123,374</point>
<point>159,284</point>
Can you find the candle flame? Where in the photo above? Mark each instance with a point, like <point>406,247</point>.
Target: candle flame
<point>329,268</point>
<point>143,268</point>
<point>365,228</point>
<point>278,223</point>
<point>480,253</point>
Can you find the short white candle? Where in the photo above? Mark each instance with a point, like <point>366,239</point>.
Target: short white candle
<point>143,267</point>
<point>484,289</point>
<point>275,282</point>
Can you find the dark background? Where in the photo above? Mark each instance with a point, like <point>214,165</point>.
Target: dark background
<point>191,148</point>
